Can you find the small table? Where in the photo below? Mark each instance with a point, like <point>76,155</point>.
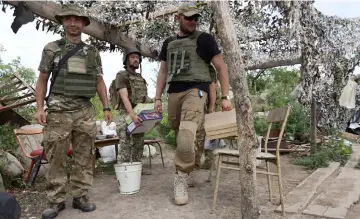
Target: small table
<point>107,142</point>
<point>115,141</point>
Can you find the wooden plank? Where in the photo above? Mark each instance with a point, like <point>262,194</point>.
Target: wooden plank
<point>220,120</point>
<point>31,89</point>
<point>221,131</point>
<point>277,115</point>
<point>14,91</point>
<point>5,86</point>
<point>16,98</point>
<point>11,106</point>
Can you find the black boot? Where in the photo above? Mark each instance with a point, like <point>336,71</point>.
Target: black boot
<point>83,204</point>
<point>53,210</point>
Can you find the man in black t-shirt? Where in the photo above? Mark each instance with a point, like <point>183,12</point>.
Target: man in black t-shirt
<point>184,74</point>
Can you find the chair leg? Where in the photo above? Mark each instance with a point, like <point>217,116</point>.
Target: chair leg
<point>30,170</point>
<point>162,158</point>
<point>280,187</point>
<point>149,155</point>
<point>116,153</point>
<point>211,168</point>
<point>217,180</point>
<point>269,180</point>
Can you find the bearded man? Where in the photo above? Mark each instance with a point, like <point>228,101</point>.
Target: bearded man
<point>184,74</point>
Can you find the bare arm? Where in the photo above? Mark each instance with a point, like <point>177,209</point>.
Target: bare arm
<point>125,98</point>
<point>221,68</point>
<point>161,80</point>
<point>40,89</point>
<point>101,90</point>
<point>212,96</point>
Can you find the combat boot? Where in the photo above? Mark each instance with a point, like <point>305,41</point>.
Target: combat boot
<point>83,204</point>
<point>191,179</point>
<point>181,188</point>
<point>53,210</point>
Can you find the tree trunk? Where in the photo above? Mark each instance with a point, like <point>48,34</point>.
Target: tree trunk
<point>247,142</point>
<point>96,29</point>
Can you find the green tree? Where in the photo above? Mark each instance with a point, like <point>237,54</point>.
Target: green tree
<point>99,109</point>
<point>27,74</point>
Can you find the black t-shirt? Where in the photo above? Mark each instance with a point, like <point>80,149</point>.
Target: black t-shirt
<point>207,48</point>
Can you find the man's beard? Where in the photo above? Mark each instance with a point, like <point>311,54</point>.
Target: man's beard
<point>185,31</point>
<point>134,66</point>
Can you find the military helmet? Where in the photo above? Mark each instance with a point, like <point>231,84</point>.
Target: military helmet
<point>131,51</point>
<point>67,11</point>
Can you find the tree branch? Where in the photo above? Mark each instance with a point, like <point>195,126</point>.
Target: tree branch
<point>96,29</point>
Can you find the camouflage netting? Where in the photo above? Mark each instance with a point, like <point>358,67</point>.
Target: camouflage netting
<point>278,33</point>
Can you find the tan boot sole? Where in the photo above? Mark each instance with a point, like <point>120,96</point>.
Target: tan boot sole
<point>181,201</point>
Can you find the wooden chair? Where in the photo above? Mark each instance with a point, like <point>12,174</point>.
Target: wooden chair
<point>277,115</point>
<point>33,151</point>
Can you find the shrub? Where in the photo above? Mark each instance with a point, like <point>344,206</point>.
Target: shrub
<point>333,150</point>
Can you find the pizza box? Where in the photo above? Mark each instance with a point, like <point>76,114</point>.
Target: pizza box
<point>148,118</point>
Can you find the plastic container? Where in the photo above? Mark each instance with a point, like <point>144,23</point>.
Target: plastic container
<point>129,177</point>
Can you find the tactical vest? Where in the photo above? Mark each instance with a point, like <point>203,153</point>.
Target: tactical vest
<point>137,92</point>
<point>77,77</point>
<point>183,63</point>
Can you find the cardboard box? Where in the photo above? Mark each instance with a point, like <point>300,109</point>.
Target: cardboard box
<point>148,119</point>
<point>220,124</point>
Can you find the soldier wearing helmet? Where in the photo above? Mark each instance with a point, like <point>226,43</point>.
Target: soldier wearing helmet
<point>70,118</point>
<point>132,89</point>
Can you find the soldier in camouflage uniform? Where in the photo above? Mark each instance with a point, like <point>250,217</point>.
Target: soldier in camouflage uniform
<point>201,134</point>
<point>184,75</point>
<point>70,118</point>
<point>132,89</point>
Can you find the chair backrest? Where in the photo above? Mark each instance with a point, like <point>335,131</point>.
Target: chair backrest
<point>29,139</point>
<point>277,115</point>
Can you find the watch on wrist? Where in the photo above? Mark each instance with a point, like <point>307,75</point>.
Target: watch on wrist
<point>224,98</point>
<point>106,109</point>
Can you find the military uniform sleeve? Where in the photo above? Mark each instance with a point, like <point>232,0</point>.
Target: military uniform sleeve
<point>47,58</point>
<point>120,81</point>
<point>99,68</point>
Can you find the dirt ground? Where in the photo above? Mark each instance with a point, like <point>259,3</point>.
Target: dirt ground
<point>155,199</point>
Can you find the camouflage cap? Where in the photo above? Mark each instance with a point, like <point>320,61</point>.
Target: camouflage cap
<point>188,9</point>
<point>67,11</point>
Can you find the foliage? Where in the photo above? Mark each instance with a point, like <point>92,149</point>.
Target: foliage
<point>99,109</point>
<point>26,74</point>
<point>271,82</point>
<point>7,138</point>
<point>166,132</point>
<point>333,150</point>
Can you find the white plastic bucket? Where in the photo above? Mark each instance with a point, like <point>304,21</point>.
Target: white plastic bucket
<point>129,177</point>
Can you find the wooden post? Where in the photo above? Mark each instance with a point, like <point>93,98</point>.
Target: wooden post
<point>313,126</point>
<point>247,142</point>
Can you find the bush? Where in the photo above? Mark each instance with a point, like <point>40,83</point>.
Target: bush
<point>333,150</point>
<point>298,122</point>
<point>7,138</point>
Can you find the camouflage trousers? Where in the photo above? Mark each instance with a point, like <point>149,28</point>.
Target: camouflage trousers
<point>129,145</point>
<point>65,129</point>
<point>199,147</point>
<point>186,114</point>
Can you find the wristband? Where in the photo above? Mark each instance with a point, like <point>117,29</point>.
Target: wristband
<point>106,109</point>
<point>158,99</point>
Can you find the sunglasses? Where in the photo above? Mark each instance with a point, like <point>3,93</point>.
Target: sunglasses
<point>196,18</point>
